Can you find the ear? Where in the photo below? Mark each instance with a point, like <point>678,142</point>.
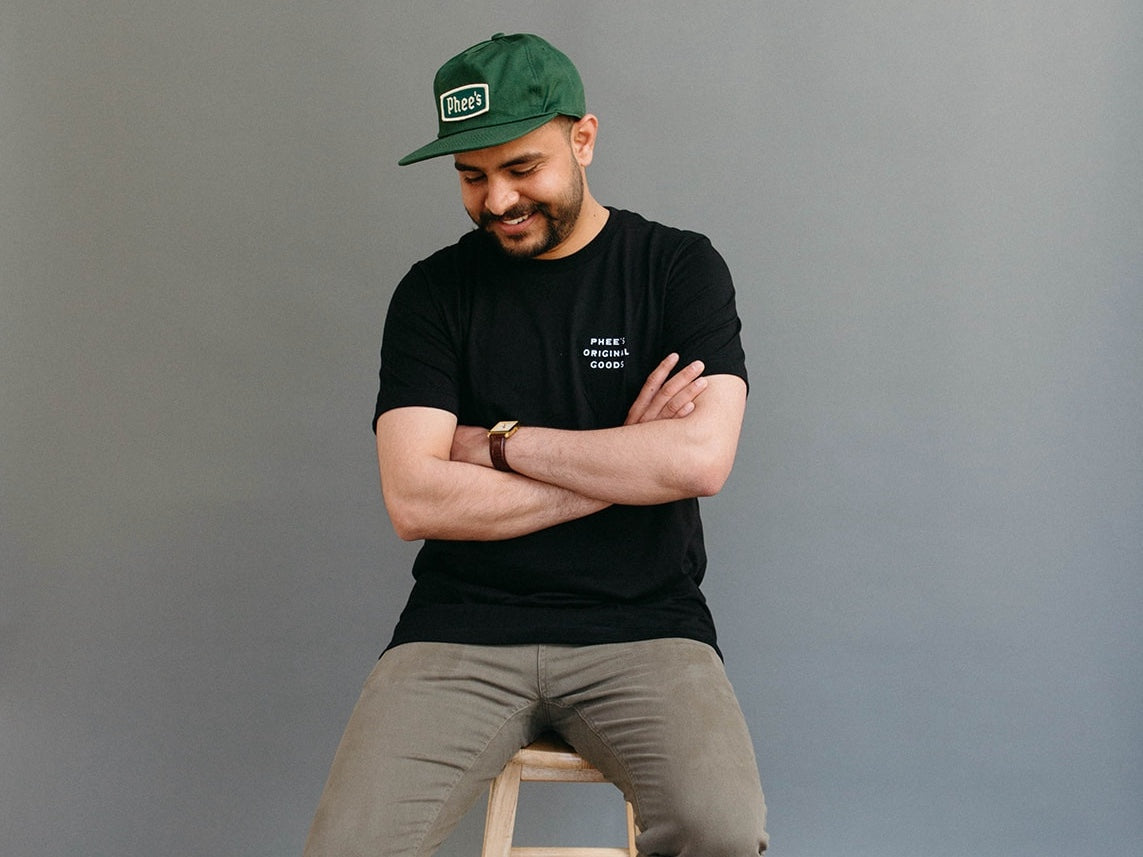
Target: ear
<point>583,133</point>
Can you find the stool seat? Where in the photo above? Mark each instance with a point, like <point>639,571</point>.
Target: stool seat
<point>547,759</point>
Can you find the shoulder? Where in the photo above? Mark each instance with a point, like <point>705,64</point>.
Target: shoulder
<point>658,237</point>
<point>673,251</point>
<point>451,271</point>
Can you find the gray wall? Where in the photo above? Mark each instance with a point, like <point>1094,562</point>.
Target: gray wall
<point>927,565</point>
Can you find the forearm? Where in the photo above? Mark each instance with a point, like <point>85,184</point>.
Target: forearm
<point>465,502</point>
<point>430,497</point>
<point>641,464</point>
<point>633,465</point>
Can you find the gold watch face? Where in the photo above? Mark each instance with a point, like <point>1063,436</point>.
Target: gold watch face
<point>504,427</point>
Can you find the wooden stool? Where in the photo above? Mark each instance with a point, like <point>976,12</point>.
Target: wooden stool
<point>547,759</point>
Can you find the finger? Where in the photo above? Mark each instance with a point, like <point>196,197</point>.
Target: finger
<point>650,388</point>
<point>681,379</point>
<point>674,395</point>
<point>664,404</point>
<point>683,402</point>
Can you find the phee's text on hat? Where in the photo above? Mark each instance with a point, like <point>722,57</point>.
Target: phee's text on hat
<point>464,102</point>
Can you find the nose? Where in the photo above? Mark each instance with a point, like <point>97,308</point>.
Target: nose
<point>500,196</point>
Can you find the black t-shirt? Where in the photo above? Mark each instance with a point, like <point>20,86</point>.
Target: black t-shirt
<point>564,343</point>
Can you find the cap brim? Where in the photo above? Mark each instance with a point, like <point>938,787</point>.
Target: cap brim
<point>477,138</point>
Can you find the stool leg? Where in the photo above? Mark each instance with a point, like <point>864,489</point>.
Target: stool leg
<point>500,822</point>
<point>631,829</point>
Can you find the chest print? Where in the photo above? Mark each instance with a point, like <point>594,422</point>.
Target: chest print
<point>605,352</point>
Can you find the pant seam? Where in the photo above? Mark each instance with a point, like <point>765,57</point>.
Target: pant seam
<point>620,762</point>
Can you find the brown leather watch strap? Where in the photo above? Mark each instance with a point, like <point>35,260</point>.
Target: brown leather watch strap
<point>496,444</point>
<point>497,440</point>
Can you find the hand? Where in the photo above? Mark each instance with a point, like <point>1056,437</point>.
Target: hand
<point>662,399</point>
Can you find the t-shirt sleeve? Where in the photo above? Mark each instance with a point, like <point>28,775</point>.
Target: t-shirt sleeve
<point>701,317</point>
<point>419,357</point>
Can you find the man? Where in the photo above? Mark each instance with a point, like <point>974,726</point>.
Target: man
<point>557,588</point>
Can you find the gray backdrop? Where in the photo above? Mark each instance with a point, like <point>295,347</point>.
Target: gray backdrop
<point>926,566</point>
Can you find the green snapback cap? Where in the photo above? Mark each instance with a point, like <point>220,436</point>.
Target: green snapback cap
<point>499,90</point>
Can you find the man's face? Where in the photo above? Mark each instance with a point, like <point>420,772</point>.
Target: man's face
<point>527,193</point>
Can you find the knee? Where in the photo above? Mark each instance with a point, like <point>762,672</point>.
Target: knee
<point>713,835</point>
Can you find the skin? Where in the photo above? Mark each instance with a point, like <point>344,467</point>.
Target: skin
<point>540,176</point>
<point>680,435</point>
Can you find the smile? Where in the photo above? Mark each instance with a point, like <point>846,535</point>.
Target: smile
<point>513,228</point>
<point>516,221</point>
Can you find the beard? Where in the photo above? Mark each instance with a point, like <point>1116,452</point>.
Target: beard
<point>558,219</point>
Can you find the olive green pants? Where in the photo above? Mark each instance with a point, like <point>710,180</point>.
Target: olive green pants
<point>437,721</point>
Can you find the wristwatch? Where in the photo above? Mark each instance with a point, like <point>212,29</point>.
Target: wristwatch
<point>497,439</point>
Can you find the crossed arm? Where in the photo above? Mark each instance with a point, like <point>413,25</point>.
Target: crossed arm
<point>678,440</point>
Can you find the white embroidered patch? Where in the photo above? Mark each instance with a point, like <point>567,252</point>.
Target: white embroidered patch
<point>464,102</point>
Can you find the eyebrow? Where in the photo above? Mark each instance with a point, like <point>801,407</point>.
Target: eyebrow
<point>526,158</point>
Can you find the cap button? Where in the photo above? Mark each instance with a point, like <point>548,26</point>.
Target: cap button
<point>496,36</point>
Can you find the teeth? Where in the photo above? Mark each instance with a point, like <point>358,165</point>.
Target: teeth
<point>518,220</point>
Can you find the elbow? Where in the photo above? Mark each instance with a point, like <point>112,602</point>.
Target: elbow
<point>407,523</point>
<point>710,483</point>
<point>406,531</point>
<point>704,456</point>
<point>708,473</point>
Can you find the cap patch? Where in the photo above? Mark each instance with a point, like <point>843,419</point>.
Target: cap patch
<point>464,102</point>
